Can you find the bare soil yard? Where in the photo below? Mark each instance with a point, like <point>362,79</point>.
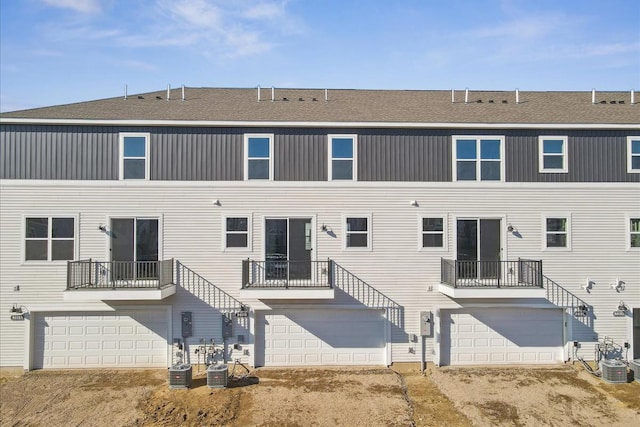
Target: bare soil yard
<point>513,396</point>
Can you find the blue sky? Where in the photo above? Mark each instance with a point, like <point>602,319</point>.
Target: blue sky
<point>62,51</point>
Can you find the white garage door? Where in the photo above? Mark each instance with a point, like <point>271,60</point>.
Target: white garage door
<point>321,337</point>
<point>501,336</point>
<point>131,338</point>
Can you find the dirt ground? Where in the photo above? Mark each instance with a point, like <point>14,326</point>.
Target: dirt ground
<point>402,396</point>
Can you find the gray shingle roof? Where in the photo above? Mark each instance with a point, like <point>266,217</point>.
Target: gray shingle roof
<point>351,105</point>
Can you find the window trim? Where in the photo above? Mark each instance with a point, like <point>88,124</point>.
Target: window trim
<point>369,232</point>
<point>454,157</point>
<point>49,239</point>
<point>249,218</point>
<point>354,158</point>
<point>630,155</point>
<point>628,232</point>
<point>247,137</point>
<point>568,218</point>
<point>147,157</point>
<point>445,232</point>
<point>564,154</point>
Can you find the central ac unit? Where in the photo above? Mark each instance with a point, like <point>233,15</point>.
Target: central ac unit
<point>635,367</point>
<point>613,371</point>
<point>180,376</point>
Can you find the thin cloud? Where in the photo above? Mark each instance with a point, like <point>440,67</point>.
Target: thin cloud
<point>82,6</point>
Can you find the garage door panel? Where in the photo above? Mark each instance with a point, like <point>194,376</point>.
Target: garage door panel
<point>321,337</point>
<point>502,336</point>
<point>101,340</point>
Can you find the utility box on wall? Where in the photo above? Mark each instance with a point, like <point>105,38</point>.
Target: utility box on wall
<point>426,323</point>
<point>187,324</point>
<point>227,326</point>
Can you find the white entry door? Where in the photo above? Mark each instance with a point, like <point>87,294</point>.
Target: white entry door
<point>502,336</point>
<point>127,338</point>
<point>321,337</point>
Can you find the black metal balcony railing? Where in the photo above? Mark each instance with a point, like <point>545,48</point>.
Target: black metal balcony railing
<point>89,274</point>
<point>278,274</point>
<point>492,274</point>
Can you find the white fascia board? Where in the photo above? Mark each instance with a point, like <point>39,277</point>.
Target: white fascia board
<point>356,185</point>
<point>484,293</point>
<point>252,123</point>
<point>119,294</point>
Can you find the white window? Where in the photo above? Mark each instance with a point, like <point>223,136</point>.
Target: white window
<point>134,156</point>
<point>557,230</point>
<point>236,230</point>
<point>343,157</point>
<point>552,154</point>
<point>634,232</point>
<point>478,158</point>
<point>357,231</point>
<point>633,154</point>
<point>433,232</point>
<point>258,149</point>
<point>49,238</point>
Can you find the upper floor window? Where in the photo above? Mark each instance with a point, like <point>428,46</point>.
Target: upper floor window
<point>634,232</point>
<point>49,239</point>
<point>633,154</point>
<point>236,232</point>
<point>552,155</point>
<point>432,231</point>
<point>478,158</point>
<point>258,156</point>
<point>134,156</point>
<point>358,232</point>
<point>342,157</point>
<point>557,232</point>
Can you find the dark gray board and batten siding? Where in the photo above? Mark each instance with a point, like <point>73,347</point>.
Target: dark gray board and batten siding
<point>300,154</point>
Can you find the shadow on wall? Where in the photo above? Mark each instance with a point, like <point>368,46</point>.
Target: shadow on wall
<point>208,303</point>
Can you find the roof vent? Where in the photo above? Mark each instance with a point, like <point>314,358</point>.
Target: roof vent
<point>491,101</point>
<point>158,97</point>
<point>621,102</point>
<point>314,99</point>
<point>285,99</point>
<point>125,92</point>
<point>603,102</point>
<point>300,99</point>
<point>479,101</point>
<point>140,97</point>
<point>612,102</point>
<point>504,101</point>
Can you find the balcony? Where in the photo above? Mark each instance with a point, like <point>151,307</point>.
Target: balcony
<point>89,280</point>
<point>491,279</point>
<point>284,279</point>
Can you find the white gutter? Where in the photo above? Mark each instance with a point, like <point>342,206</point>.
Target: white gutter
<point>253,123</point>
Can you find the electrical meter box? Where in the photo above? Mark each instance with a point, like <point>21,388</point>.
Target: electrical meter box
<point>187,324</point>
<point>426,323</point>
<point>227,326</point>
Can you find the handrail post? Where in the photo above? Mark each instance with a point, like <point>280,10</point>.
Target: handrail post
<point>455,273</point>
<point>330,272</point>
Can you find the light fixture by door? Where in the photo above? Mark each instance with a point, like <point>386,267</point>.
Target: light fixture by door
<point>102,228</point>
<point>510,228</point>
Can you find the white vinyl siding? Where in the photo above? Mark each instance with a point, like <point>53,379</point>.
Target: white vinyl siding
<point>553,154</point>
<point>134,156</point>
<point>193,234</point>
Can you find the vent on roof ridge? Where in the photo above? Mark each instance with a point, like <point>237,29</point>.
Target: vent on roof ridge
<point>491,101</point>
<point>140,97</point>
<point>285,99</point>
<point>314,99</point>
<point>300,99</point>
<point>504,101</point>
<point>158,97</point>
<point>479,101</point>
<point>621,102</point>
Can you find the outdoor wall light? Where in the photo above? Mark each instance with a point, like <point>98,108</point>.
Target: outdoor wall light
<point>102,228</point>
<point>510,228</point>
<point>622,306</point>
<point>618,285</point>
<point>217,202</point>
<point>324,228</point>
<point>414,203</point>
